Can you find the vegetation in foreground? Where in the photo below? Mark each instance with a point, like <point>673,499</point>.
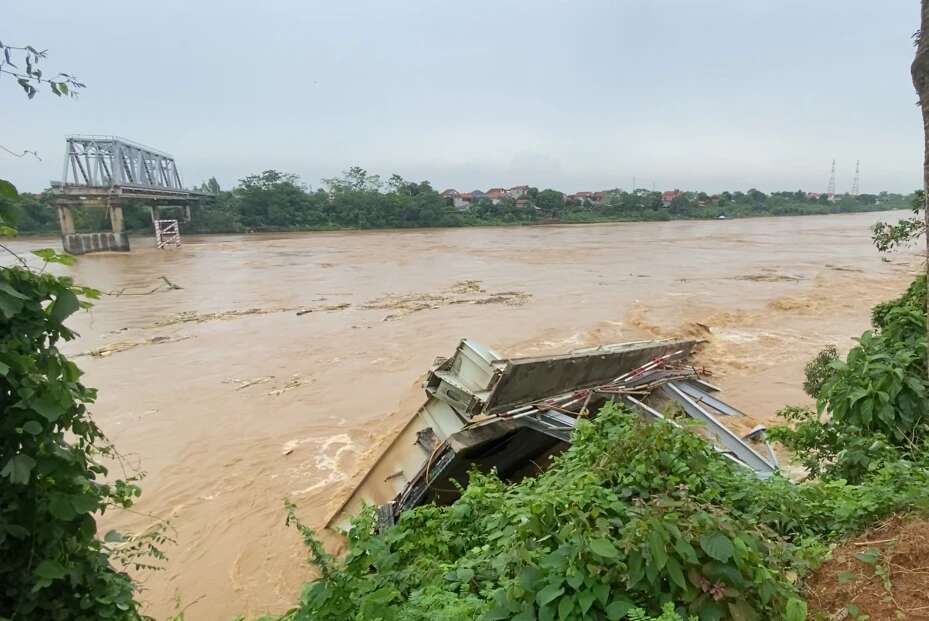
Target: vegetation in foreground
<point>274,201</point>
<point>640,519</point>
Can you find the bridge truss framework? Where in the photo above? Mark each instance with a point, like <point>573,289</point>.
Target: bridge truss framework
<point>109,172</point>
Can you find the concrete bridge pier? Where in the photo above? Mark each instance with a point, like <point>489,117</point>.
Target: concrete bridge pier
<point>82,243</point>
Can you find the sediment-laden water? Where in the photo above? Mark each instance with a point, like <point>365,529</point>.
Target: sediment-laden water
<point>282,361</point>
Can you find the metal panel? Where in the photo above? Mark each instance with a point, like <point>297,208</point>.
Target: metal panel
<point>701,396</point>
<point>723,435</point>
<point>448,387</point>
<point>530,379</point>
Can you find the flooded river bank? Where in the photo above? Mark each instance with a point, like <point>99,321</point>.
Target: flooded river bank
<point>282,360</point>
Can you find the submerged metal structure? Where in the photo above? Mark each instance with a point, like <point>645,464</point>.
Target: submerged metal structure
<point>107,172</point>
<point>511,415</point>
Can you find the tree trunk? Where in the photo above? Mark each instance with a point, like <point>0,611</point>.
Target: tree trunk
<point>920,73</point>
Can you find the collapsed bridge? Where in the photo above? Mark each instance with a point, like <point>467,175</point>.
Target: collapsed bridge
<point>110,172</point>
<point>512,415</point>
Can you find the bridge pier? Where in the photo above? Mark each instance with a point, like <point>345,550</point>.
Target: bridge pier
<point>65,220</point>
<point>82,243</point>
<point>116,218</point>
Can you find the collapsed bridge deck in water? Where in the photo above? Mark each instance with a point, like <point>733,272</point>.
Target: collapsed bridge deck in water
<point>513,414</point>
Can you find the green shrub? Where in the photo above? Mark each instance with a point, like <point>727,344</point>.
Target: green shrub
<point>914,297</point>
<point>52,566</point>
<point>819,370</point>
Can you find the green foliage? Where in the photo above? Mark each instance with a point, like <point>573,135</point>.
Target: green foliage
<point>52,566</point>
<point>818,370</point>
<point>914,298</point>
<point>881,387</point>
<point>877,399</point>
<point>889,237</point>
<point>668,613</point>
<point>632,520</point>
<point>22,64</point>
<point>832,449</point>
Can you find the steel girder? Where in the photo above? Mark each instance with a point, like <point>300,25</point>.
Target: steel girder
<point>109,161</point>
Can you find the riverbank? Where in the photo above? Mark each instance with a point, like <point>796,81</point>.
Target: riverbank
<point>231,401</point>
<point>231,213</point>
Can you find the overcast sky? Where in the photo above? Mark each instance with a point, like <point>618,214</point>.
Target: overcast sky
<point>580,95</point>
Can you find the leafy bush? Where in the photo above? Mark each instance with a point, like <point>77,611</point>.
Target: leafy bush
<point>877,399</point>
<point>52,566</point>
<point>831,449</point>
<point>819,370</point>
<point>914,297</point>
<point>881,387</point>
<point>631,516</point>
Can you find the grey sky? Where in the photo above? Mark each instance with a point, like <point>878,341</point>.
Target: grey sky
<point>697,94</point>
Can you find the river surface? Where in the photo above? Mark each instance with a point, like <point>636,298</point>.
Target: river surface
<point>230,401</point>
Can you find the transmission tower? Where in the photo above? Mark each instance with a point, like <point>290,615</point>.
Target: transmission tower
<point>830,189</point>
<point>855,181</point>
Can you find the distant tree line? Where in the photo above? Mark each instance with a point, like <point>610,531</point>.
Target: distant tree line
<point>276,201</point>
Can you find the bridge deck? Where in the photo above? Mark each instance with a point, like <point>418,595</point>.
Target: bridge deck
<point>73,193</point>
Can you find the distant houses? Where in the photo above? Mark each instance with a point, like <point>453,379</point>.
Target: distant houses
<point>464,200</point>
<point>668,197</point>
<point>520,195</point>
<point>496,195</point>
<point>527,197</point>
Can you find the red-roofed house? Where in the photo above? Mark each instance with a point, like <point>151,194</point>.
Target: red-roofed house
<point>582,198</point>
<point>518,191</point>
<point>457,199</point>
<point>668,196</point>
<point>496,195</point>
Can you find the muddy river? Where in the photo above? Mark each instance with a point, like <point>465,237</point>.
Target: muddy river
<point>282,361</point>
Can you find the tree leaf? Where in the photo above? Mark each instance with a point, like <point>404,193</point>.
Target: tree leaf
<point>8,289</point>
<point>32,427</point>
<point>47,407</point>
<point>61,508</point>
<point>50,569</point>
<point>677,576</point>
<point>657,548</point>
<point>49,255</point>
<point>618,609</point>
<point>9,306</point>
<point>18,469</point>
<point>740,610</point>
<point>717,546</point>
<point>549,593</point>
<point>586,600</point>
<point>575,580</point>
<point>845,576</point>
<point>7,189</point>
<point>84,503</point>
<point>870,557</point>
<point>796,610</point>
<point>65,304</point>
<point>604,548</point>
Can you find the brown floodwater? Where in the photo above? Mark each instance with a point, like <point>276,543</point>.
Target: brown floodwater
<point>230,401</point>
